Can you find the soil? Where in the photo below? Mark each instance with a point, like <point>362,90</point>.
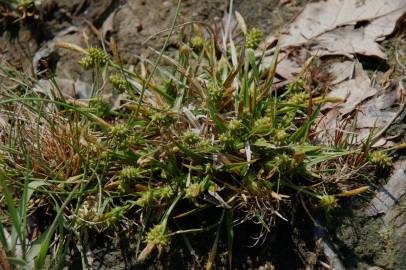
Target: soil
<point>361,241</point>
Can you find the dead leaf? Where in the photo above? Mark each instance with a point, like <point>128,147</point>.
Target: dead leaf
<point>288,69</point>
<point>332,26</point>
<point>372,115</point>
<point>341,71</point>
<point>375,113</point>
<point>353,91</point>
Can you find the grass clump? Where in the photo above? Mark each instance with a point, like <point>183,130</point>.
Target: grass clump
<point>211,132</point>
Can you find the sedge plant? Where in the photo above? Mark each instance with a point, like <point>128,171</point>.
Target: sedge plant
<point>203,128</point>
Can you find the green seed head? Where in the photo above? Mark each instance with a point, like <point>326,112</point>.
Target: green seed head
<point>131,173</point>
<point>235,125</point>
<point>86,63</point>
<point>254,38</point>
<point>158,117</point>
<point>145,199</point>
<point>328,202</point>
<point>296,86</point>
<point>263,124</point>
<point>157,237</point>
<point>95,57</point>
<point>197,43</point>
<point>164,193</point>
<point>98,56</point>
<point>215,91</point>
<point>119,83</point>
<point>226,139</point>
<point>25,4</point>
<point>381,160</point>
<point>189,137</point>
<point>101,106</point>
<point>119,131</point>
<point>280,137</point>
<point>127,176</point>
<point>115,215</point>
<point>299,99</point>
<point>283,162</point>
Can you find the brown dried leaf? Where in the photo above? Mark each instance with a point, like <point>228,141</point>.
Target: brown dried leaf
<point>353,91</point>
<point>341,71</point>
<point>332,26</point>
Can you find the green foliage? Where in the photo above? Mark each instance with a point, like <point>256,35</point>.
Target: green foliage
<point>213,133</point>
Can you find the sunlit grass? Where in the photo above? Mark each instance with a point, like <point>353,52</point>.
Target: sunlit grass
<point>204,129</point>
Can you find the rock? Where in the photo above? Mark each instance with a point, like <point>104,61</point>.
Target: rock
<point>389,194</point>
<point>375,234</point>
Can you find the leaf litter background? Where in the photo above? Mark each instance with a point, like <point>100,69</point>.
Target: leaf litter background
<point>337,33</point>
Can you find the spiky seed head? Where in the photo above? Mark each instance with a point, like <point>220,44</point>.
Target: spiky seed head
<point>95,57</point>
<point>328,202</point>
<point>205,144</point>
<point>263,124</point>
<point>157,236</point>
<point>131,172</point>
<point>197,43</point>
<point>215,91</point>
<point>299,99</point>
<point>158,117</point>
<point>86,63</point>
<point>381,160</point>
<point>127,176</point>
<point>115,215</point>
<point>101,106</point>
<point>189,137</point>
<point>226,139</point>
<point>283,162</point>
<point>235,125</point>
<point>164,193</point>
<point>254,38</point>
<point>119,130</point>
<point>280,136</point>
<point>119,83</point>
<point>98,56</point>
<point>145,199</point>
<point>296,86</point>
